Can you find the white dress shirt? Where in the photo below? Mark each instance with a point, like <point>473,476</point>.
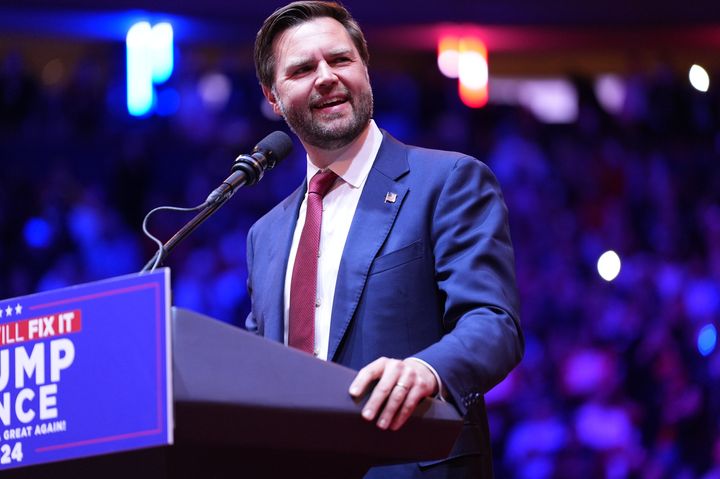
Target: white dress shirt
<point>338,210</point>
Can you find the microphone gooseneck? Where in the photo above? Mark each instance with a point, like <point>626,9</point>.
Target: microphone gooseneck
<point>246,170</point>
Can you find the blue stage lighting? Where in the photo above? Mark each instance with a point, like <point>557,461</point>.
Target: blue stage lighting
<point>139,69</point>
<point>150,61</point>
<point>707,339</point>
<point>161,51</point>
<point>37,233</point>
<point>168,102</point>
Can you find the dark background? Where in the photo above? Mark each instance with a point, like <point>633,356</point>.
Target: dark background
<point>616,381</point>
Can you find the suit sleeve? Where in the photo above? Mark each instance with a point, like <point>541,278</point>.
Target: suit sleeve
<point>475,274</point>
<point>250,322</point>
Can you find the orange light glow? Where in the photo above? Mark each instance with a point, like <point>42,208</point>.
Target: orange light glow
<point>474,98</point>
<point>448,56</point>
<point>473,72</point>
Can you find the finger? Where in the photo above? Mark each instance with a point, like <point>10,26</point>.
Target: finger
<point>396,399</point>
<point>366,376</point>
<point>382,390</point>
<point>412,399</point>
<point>424,386</point>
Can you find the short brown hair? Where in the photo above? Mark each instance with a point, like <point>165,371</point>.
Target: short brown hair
<point>294,14</point>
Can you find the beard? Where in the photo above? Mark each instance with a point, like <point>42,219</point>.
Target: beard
<point>329,133</point>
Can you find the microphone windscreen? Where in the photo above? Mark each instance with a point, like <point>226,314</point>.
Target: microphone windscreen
<point>277,144</point>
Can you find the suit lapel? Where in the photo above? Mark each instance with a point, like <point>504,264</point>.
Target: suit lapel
<point>282,229</point>
<point>370,227</point>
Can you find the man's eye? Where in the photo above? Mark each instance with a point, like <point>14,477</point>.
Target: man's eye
<point>300,71</point>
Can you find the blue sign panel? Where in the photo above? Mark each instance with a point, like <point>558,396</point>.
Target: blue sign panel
<point>85,370</point>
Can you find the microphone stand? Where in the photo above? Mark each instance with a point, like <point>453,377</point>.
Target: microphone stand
<point>247,170</point>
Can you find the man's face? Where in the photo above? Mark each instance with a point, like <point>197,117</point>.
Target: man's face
<point>321,84</point>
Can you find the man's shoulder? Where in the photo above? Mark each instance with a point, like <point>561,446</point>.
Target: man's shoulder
<point>446,158</point>
<point>423,157</point>
<point>425,167</point>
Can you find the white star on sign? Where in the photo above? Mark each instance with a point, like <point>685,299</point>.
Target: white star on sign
<point>18,309</point>
<point>8,311</point>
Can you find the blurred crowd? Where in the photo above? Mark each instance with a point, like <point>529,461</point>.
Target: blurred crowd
<point>613,384</point>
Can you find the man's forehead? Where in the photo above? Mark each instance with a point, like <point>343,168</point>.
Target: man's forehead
<point>299,43</point>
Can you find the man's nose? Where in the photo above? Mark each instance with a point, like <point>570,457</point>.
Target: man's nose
<point>325,75</point>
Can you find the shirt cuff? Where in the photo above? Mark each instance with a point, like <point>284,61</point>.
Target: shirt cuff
<point>441,393</point>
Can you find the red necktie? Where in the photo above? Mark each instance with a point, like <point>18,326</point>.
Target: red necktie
<point>303,284</point>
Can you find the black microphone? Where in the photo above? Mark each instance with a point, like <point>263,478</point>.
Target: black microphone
<point>249,169</point>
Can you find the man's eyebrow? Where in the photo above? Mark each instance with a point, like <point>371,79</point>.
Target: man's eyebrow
<point>340,51</point>
<point>294,63</point>
<point>297,63</point>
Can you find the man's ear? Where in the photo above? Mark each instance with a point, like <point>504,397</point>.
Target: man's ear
<point>270,97</point>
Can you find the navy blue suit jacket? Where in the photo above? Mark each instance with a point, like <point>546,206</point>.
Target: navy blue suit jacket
<point>430,275</point>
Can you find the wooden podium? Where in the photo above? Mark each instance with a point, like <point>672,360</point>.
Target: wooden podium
<point>246,407</point>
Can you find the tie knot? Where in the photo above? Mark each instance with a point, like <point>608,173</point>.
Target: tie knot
<point>321,182</point>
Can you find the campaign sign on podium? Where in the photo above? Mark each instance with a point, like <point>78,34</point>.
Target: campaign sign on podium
<point>85,370</point>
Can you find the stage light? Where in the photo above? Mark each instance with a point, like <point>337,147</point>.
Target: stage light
<point>699,78</point>
<point>465,58</point>
<point>473,72</point>
<point>552,100</point>
<point>215,90</point>
<point>448,56</point>
<point>37,233</point>
<point>707,339</point>
<point>150,61</point>
<point>610,91</point>
<point>139,69</point>
<point>161,52</point>
<point>608,265</point>
<point>474,98</point>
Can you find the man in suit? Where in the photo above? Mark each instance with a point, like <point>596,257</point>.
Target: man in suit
<point>412,282</point>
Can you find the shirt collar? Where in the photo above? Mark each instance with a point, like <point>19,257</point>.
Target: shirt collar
<point>354,168</point>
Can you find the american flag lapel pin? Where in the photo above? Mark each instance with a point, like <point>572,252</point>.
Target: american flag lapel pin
<point>390,197</point>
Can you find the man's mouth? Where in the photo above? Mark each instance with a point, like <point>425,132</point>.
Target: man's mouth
<point>330,102</point>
